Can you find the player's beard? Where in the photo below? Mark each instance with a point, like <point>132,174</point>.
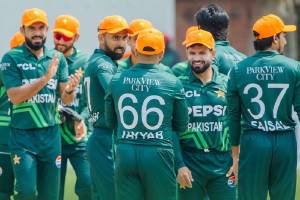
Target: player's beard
<point>35,46</point>
<point>112,53</point>
<point>200,69</point>
<point>63,48</point>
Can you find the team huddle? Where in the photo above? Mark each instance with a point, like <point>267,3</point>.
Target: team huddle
<point>216,126</point>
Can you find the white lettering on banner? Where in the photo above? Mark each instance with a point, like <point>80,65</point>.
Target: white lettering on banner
<point>205,126</point>
<point>142,135</point>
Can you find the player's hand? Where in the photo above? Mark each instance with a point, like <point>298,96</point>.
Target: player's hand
<point>233,170</point>
<point>80,130</point>
<point>74,80</point>
<point>184,177</point>
<point>52,69</point>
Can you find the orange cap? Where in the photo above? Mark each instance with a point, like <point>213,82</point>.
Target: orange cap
<point>150,42</point>
<point>270,25</point>
<point>138,25</point>
<point>200,37</point>
<point>113,24</point>
<point>16,40</point>
<point>34,15</point>
<point>66,25</point>
<point>190,29</point>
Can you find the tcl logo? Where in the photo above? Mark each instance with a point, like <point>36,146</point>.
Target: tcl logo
<point>26,66</point>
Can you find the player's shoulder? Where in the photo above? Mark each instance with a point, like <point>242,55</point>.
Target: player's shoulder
<point>101,62</point>
<point>181,64</point>
<point>15,52</point>
<point>165,68</point>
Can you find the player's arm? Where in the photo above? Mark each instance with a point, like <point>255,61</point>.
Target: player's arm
<point>233,118</point>
<point>110,113</point>
<point>180,110</point>
<point>296,100</point>
<point>67,85</point>
<point>104,73</point>
<point>16,90</point>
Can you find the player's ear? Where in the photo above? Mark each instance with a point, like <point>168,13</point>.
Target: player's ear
<point>100,38</point>
<point>275,39</point>
<point>76,37</point>
<point>161,55</point>
<point>22,30</point>
<point>213,53</point>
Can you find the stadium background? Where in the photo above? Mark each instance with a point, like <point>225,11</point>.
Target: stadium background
<point>170,16</point>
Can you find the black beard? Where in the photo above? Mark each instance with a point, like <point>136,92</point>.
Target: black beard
<point>35,46</point>
<point>66,48</point>
<point>112,54</point>
<point>200,70</point>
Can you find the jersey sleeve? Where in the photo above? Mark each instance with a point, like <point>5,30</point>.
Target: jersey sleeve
<point>180,110</point>
<point>104,72</point>
<point>233,109</point>
<point>11,75</point>
<point>110,113</point>
<point>177,152</point>
<point>296,100</point>
<point>63,73</point>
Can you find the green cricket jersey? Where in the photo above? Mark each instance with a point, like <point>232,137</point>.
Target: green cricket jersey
<point>149,106</point>
<point>226,56</point>
<point>263,88</point>
<point>20,66</point>
<point>75,61</point>
<point>207,107</point>
<point>4,115</point>
<point>127,63</point>
<point>98,74</point>
<point>181,68</point>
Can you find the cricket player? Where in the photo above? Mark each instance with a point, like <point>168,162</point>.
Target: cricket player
<point>6,170</point>
<point>136,26</point>
<point>148,108</point>
<point>112,35</point>
<point>66,33</point>
<point>33,76</point>
<point>263,89</point>
<point>205,145</point>
<point>215,20</point>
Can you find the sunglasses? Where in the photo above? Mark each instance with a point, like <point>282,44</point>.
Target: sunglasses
<point>59,36</point>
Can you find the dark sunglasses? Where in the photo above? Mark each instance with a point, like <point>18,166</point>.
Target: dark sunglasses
<point>59,36</point>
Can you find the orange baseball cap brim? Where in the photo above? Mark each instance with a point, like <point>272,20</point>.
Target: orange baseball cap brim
<point>64,32</point>
<point>117,30</point>
<point>289,28</point>
<point>35,21</point>
<point>199,42</point>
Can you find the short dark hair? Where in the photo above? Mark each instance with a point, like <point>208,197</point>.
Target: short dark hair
<point>263,44</point>
<point>214,19</point>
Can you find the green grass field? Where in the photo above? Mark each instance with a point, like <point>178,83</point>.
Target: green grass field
<point>70,194</point>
